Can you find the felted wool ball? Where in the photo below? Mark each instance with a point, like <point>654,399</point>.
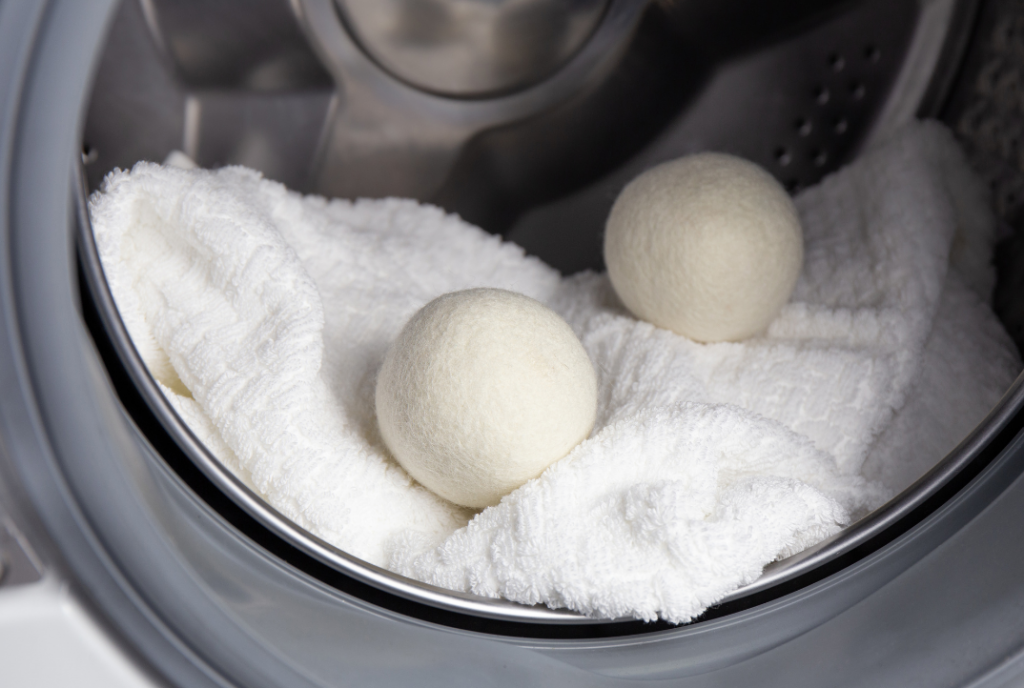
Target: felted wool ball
<point>708,246</point>
<point>483,390</point>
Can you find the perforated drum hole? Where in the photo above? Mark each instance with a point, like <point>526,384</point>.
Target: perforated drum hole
<point>840,125</point>
<point>821,95</point>
<point>836,62</point>
<point>783,156</point>
<point>858,90</point>
<point>804,127</point>
<point>819,157</point>
<point>872,53</point>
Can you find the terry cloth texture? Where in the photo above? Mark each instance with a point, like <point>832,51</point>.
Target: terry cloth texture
<point>266,315</point>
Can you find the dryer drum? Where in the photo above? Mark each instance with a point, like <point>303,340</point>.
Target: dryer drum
<point>204,580</point>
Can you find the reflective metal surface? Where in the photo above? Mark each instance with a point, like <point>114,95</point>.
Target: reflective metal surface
<point>471,47</point>
<point>385,137</point>
<point>216,44</point>
<point>18,565</point>
<point>800,106</point>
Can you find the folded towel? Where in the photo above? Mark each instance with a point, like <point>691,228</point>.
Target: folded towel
<point>265,316</point>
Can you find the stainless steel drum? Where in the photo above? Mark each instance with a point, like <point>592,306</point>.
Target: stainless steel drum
<point>515,114</point>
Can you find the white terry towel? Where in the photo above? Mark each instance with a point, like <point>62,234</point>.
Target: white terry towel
<point>265,316</point>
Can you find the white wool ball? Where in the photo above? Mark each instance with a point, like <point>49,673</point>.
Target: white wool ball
<point>483,390</point>
<point>708,246</point>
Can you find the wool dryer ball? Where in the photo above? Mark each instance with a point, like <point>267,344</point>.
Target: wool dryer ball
<point>483,390</point>
<point>708,246</point>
